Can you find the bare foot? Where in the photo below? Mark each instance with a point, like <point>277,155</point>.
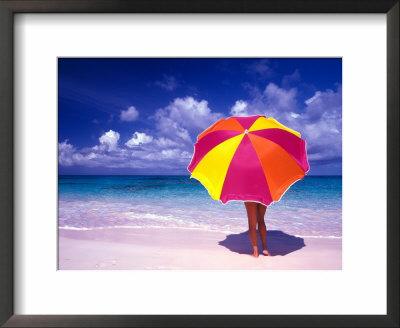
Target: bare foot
<point>255,251</point>
<point>266,253</point>
<point>255,254</point>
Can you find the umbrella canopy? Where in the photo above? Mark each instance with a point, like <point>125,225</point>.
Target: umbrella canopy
<point>249,159</point>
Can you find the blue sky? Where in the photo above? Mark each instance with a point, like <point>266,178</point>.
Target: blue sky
<point>142,115</point>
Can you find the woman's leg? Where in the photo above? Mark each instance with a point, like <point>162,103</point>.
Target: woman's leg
<point>251,209</point>
<point>262,229</point>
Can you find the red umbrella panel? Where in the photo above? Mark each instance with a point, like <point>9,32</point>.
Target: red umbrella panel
<point>248,159</point>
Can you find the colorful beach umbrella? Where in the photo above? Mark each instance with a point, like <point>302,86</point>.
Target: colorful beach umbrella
<point>248,159</point>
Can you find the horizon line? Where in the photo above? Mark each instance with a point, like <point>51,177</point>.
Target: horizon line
<point>308,175</point>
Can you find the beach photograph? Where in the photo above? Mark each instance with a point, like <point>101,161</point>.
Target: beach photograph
<point>199,163</point>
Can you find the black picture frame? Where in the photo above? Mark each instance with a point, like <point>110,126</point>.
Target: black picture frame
<point>10,7</point>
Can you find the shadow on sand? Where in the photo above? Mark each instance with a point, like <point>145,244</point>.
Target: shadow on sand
<point>278,243</point>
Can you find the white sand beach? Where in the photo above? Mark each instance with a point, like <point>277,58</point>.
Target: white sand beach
<point>186,249</point>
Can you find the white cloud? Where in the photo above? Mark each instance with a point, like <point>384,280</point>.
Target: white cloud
<point>91,156</point>
<point>138,139</point>
<point>165,143</point>
<point>290,79</point>
<point>180,122</point>
<point>240,108</point>
<point>65,153</point>
<point>272,101</point>
<point>319,122</point>
<point>260,67</point>
<point>322,125</point>
<point>327,104</point>
<point>279,99</point>
<point>171,156</point>
<point>186,155</point>
<point>169,129</point>
<point>68,155</point>
<point>310,100</point>
<point>171,144</point>
<point>177,125</point>
<point>160,153</point>
<point>170,153</point>
<point>168,83</point>
<point>190,114</point>
<point>110,140</point>
<point>129,115</point>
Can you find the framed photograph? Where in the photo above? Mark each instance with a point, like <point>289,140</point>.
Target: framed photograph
<point>134,132</point>
<point>129,193</point>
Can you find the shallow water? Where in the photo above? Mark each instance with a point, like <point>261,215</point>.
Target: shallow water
<point>311,207</point>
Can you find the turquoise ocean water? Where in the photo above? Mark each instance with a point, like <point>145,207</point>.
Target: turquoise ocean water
<point>311,207</point>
